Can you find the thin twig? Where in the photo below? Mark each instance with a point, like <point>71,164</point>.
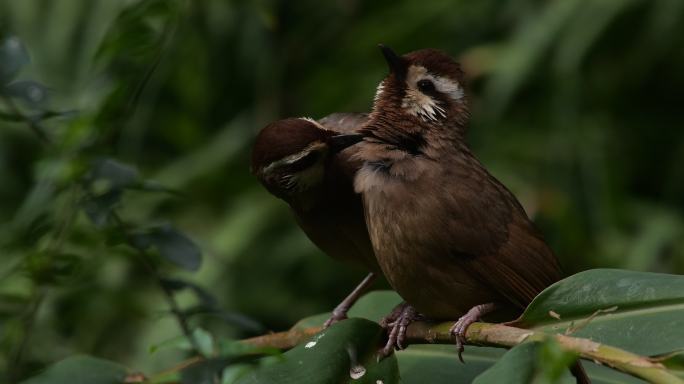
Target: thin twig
<point>168,293</point>
<point>39,296</point>
<point>28,321</point>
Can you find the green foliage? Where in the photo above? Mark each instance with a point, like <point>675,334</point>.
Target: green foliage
<point>636,321</point>
<point>344,352</point>
<point>81,370</point>
<point>525,364</point>
<point>171,245</point>
<point>636,311</point>
<point>347,350</point>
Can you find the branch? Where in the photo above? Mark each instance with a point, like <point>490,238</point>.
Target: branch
<point>174,307</point>
<point>498,335</point>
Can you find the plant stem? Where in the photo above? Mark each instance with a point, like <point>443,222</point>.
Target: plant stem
<point>168,293</point>
<point>28,321</point>
<point>499,335</point>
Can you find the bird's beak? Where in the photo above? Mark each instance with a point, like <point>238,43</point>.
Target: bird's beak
<point>339,142</point>
<point>396,64</point>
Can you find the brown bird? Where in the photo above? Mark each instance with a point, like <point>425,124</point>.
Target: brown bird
<point>296,160</point>
<point>450,238</point>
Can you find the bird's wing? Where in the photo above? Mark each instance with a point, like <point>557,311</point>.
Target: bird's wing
<point>349,235</point>
<point>344,122</point>
<point>492,238</point>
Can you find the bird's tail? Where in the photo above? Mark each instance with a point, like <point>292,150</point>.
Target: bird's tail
<point>580,374</point>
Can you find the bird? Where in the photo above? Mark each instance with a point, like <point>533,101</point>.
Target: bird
<point>449,237</point>
<point>296,160</point>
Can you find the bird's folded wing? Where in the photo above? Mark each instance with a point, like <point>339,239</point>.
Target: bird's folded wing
<point>494,241</point>
<point>344,122</point>
<point>521,268</point>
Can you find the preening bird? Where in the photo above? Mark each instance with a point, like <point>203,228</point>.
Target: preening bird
<point>297,160</point>
<point>450,238</point>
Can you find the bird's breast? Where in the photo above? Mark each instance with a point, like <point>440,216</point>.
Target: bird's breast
<point>407,237</point>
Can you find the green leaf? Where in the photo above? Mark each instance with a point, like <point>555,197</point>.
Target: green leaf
<point>204,341</point>
<point>204,296</point>
<point>373,306</point>
<point>81,369</point>
<point>54,267</point>
<point>674,362</point>
<point>171,244</point>
<point>234,318</point>
<point>234,372</point>
<point>232,348</point>
<point>637,311</point>
<point>438,364</point>
<point>111,175</point>
<point>553,361</point>
<point>345,351</point>
<point>99,208</point>
<point>523,365</point>
<point>31,92</point>
<point>13,56</point>
<point>205,372</point>
<point>178,342</point>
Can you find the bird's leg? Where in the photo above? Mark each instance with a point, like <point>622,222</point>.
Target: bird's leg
<point>460,327</point>
<point>340,312</point>
<point>396,322</point>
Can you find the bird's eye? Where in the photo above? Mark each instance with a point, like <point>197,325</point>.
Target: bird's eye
<point>426,86</point>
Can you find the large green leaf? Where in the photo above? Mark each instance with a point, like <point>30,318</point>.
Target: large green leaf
<point>81,369</point>
<point>644,311</point>
<point>439,364</point>
<point>520,365</point>
<point>172,245</point>
<point>342,353</point>
<point>650,309</point>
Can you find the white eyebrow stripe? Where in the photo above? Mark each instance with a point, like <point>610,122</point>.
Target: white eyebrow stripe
<point>444,85</point>
<point>314,122</point>
<point>293,158</point>
<point>448,86</point>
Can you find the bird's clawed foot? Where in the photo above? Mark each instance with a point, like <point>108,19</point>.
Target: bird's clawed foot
<point>397,322</point>
<point>337,315</point>
<point>458,330</point>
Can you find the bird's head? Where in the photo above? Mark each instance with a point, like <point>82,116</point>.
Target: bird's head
<point>289,156</point>
<point>424,87</point>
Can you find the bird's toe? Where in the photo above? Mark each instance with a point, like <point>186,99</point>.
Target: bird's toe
<point>334,318</point>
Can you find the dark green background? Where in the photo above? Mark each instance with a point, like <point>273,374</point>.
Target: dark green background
<point>576,108</point>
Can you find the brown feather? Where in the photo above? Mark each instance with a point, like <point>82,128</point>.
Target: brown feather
<point>329,212</point>
<point>446,233</point>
